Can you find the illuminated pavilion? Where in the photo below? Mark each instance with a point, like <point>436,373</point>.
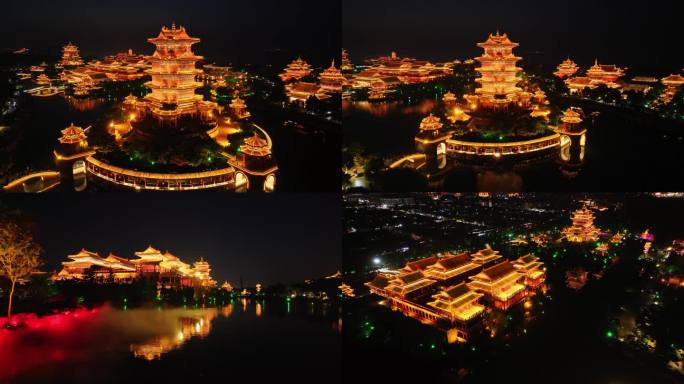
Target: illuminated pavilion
<point>239,107</point>
<point>566,69</point>
<point>532,268</point>
<point>255,159</point>
<point>331,80</point>
<point>582,229</point>
<point>70,56</point>
<point>296,70</point>
<point>346,62</point>
<point>486,256</point>
<point>501,284</point>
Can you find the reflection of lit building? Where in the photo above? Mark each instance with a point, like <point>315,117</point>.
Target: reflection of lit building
<point>576,278</point>
<point>566,69</point>
<point>582,228</point>
<point>501,284</point>
<point>296,70</point>
<point>532,268</point>
<point>189,327</point>
<point>70,56</point>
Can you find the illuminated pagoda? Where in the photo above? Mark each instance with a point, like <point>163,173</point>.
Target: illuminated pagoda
<point>226,286</point>
<point>532,268</point>
<point>607,74</point>
<point>451,268</point>
<point>173,74</point>
<point>486,256</point>
<point>458,303</point>
<point>239,107</point>
<point>86,264</point>
<point>71,150</point>
<point>70,56</point>
<point>331,80</point>
<point>346,62</point>
<point>582,229</point>
<point>255,160</point>
<point>498,71</point>
<point>72,141</point>
<point>501,284</point>
<point>42,79</point>
<point>672,83</point>
<point>571,125</point>
<point>296,70</point>
<point>566,69</point>
<point>449,98</point>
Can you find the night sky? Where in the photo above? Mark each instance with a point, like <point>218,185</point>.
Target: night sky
<point>235,31</point>
<point>263,238</point>
<point>644,35</point>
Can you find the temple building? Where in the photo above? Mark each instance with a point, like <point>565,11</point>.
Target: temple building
<point>331,80</point>
<point>579,83</point>
<point>407,70</point>
<point>501,284</point>
<point>499,74</point>
<point>122,66</point>
<point>409,285</point>
<point>420,264</point>
<point>90,265</point>
<point>486,256</point>
<point>607,74</point>
<point>451,269</point>
<point>296,70</point>
<point>582,229</point>
<point>672,84</point>
<point>532,268</point>
<point>459,303</point>
<point>346,62</point>
<point>173,74</point>
<point>449,98</point>
<point>42,79</point>
<point>301,91</point>
<point>239,107</point>
<point>566,69</point>
<point>70,56</point>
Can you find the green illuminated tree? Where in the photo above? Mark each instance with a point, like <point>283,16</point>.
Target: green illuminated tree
<point>19,256</point>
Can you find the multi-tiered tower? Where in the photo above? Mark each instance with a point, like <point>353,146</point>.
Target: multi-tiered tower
<point>582,229</point>
<point>498,70</point>
<point>173,74</point>
<point>70,56</point>
<point>566,69</point>
<point>331,79</point>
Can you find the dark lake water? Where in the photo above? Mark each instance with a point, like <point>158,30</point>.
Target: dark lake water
<point>263,339</point>
<point>625,151</point>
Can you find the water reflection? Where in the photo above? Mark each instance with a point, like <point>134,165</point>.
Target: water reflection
<point>86,345</point>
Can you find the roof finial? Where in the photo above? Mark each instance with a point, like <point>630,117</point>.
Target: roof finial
<point>173,24</point>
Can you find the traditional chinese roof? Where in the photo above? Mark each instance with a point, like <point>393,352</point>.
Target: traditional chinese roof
<point>498,39</point>
<point>571,116</point>
<point>255,146</point>
<point>419,265</point>
<point>496,272</point>
<point>430,123</point>
<point>72,135</point>
<point>673,80</point>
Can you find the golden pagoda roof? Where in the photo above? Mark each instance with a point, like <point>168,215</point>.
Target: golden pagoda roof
<point>571,116</point>
<point>72,135</point>
<point>255,146</point>
<point>430,123</point>
<point>673,80</point>
<point>498,39</point>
